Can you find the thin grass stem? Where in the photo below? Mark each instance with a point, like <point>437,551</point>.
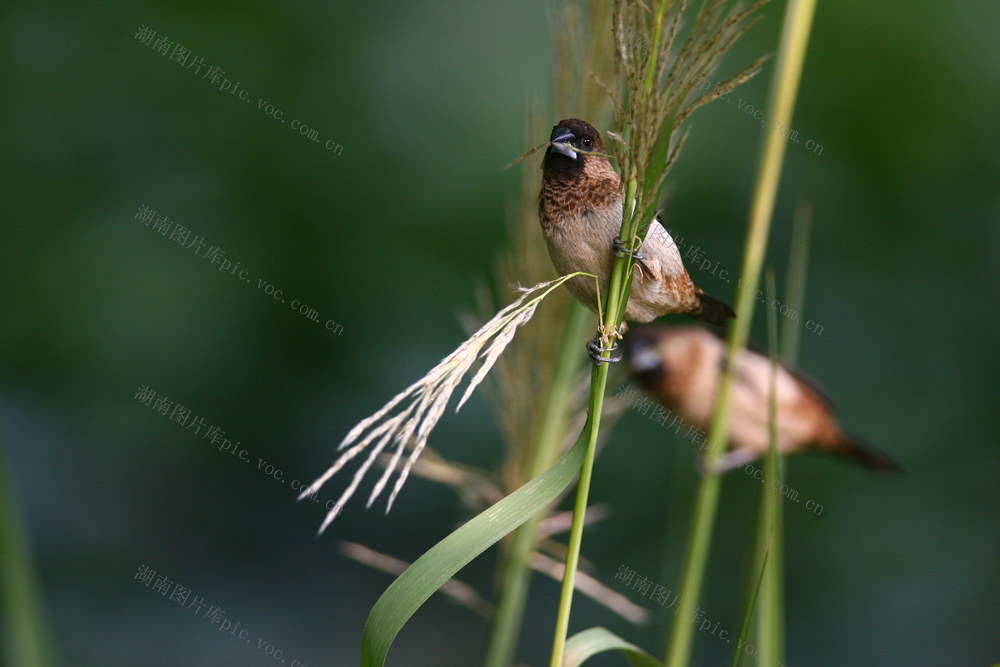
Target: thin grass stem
<point>770,525</point>
<point>516,569</point>
<point>784,87</point>
<point>598,382</point>
<point>618,289</point>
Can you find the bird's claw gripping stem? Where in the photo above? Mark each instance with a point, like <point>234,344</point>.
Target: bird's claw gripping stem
<point>621,250</point>
<point>594,349</point>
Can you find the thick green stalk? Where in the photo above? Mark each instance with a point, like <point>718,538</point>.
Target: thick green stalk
<point>25,640</point>
<point>795,33</point>
<point>516,570</point>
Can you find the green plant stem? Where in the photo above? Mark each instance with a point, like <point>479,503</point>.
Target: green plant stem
<point>25,639</point>
<point>794,37</point>
<point>618,289</point>
<point>769,602</point>
<point>650,81</point>
<point>619,286</point>
<point>598,381</point>
<point>516,569</point>
<point>771,629</point>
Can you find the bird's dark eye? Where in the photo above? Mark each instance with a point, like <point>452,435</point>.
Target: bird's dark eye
<point>586,143</point>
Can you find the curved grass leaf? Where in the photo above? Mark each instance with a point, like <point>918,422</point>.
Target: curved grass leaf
<point>405,595</point>
<point>584,645</point>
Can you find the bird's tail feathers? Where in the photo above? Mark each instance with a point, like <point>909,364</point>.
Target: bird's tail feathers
<point>867,455</point>
<point>711,310</point>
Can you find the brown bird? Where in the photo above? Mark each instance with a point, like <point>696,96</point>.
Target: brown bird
<point>580,208</point>
<point>681,368</point>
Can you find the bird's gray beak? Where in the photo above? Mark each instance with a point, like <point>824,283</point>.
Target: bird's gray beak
<point>561,142</point>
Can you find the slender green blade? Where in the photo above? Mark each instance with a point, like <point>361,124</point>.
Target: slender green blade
<point>748,612</point>
<point>25,639</point>
<point>770,528</point>
<point>405,595</point>
<point>795,294</point>
<point>584,645</point>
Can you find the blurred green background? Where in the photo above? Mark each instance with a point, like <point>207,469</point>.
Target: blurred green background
<point>387,237</point>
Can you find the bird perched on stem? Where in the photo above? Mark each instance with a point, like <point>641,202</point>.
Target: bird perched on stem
<point>681,367</point>
<point>580,209</point>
